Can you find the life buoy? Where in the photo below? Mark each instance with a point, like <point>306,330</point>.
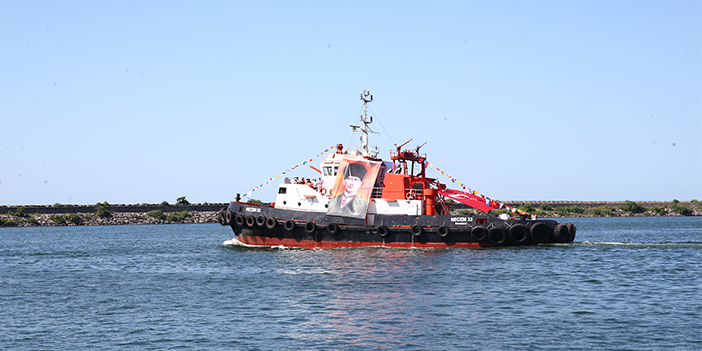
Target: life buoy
<point>310,227</point>
<point>444,231</point>
<point>239,219</point>
<point>383,231</point>
<point>261,220</point>
<point>560,233</point>
<point>519,234</point>
<point>497,236</point>
<point>323,191</point>
<point>250,221</point>
<point>271,222</point>
<point>539,232</point>
<point>417,230</point>
<point>333,228</point>
<point>479,233</point>
<point>289,225</point>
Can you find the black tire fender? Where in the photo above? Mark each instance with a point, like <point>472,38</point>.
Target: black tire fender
<point>571,231</point>
<point>444,231</point>
<point>289,225</point>
<point>417,230</point>
<point>560,233</point>
<point>333,228</point>
<point>539,232</point>
<point>239,219</point>
<point>250,221</point>
<point>383,231</point>
<point>498,236</point>
<point>261,220</point>
<point>311,227</point>
<point>479,233</point>
<point>221,217</point>
<point>519,234</point>
<point>271,222</point>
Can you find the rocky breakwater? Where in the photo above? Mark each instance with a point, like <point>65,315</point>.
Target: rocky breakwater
<point>68,215</point>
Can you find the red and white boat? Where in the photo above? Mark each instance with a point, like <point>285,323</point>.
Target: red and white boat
<point>365,201</point>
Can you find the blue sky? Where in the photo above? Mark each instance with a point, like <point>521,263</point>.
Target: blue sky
<point>141,102</point>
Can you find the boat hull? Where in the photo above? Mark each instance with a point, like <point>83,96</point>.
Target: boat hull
<point>265,226</point>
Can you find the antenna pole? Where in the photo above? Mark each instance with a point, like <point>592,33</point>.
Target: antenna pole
<point>366,97</point>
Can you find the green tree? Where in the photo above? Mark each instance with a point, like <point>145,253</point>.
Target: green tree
<point>526,207</point>
<point>182,201</point>
<point>562,211</point>
<point>681,209</point>
<point>58,219</point>
<point>74,218</point>
<point>178,216</point>
<point>7,223</point>
<point>632,207</point>
<point>158,214</point>
<point>101,211</point>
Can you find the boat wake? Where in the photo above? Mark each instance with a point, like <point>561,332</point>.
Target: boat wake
<point>234,243</point>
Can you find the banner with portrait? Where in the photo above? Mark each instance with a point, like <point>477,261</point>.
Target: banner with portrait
<point>353,187</point>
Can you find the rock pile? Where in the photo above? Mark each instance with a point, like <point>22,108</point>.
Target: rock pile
<point>116,218</point>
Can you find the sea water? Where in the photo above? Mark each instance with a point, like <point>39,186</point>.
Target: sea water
<point>624,284</point>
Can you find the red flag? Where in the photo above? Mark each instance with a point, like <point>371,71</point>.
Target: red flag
<point>471,200</point>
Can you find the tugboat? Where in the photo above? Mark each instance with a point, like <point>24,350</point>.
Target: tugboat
<point>363,201</point>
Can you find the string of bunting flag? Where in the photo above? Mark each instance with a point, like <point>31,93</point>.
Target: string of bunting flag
<point>488,201</point>
<point>248,195</point>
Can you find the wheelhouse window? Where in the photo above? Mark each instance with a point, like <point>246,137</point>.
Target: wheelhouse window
<point>330,170</point>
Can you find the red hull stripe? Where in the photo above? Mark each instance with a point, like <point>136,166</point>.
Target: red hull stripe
<point>325,244</point>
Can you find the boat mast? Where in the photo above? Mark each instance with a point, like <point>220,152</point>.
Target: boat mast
<point>366,97</point>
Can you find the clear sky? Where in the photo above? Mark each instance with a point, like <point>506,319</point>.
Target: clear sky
<point>146,101</point>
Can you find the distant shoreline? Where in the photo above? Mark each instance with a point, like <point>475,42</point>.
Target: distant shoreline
<point>67,215</point>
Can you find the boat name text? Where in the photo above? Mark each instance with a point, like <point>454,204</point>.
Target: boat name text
<point>461,220</point>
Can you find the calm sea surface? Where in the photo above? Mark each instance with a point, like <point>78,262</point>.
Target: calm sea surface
<point>625,284</point>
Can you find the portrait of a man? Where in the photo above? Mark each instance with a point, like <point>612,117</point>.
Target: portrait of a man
<point>350,198</point>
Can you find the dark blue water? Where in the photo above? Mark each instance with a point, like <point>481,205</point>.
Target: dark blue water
<point>625,284</point>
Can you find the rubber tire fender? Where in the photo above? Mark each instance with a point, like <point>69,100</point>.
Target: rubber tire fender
<point>444,231</point>
<point>519,234</point>
<point>479,233</point>
<point>289,225</point>
<point>228,216</point>
<point>333,228</point>
<point>221,217</point>
<point>383,231</point>
<point>239,219</point>
<point>311,227</point>
<point>539,232</point>
<point>250,221</point>
<point>271,223</point>
<point>261,220</point>
<point>417,230</point>
<point>560,233</point>
<point>498,236</point>
<point>571,231</point>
